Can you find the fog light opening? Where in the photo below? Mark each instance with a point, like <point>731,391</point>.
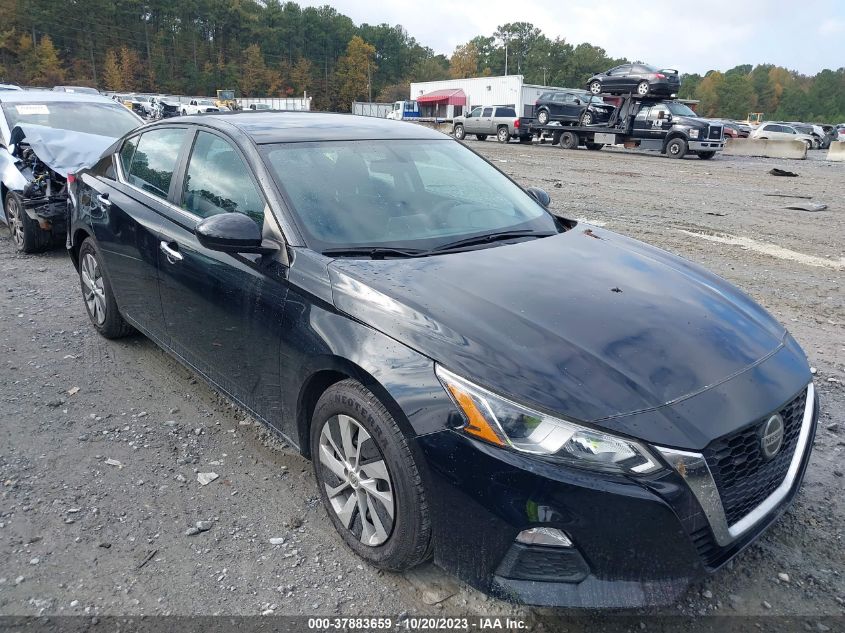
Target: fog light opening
<point>550,537</point>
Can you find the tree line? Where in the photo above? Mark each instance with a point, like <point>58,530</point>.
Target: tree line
<point>270,48</point>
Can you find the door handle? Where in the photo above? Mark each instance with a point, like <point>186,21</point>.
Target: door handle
<point>103,199</point>
<point>172,254</point>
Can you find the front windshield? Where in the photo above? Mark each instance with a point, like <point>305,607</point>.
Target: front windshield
<point>408,194</point>
<point>105,119</point>
<point>205,102</point>
<point>679,109</point>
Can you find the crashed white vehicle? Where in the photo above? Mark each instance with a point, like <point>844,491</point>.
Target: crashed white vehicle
<point>44,136</point>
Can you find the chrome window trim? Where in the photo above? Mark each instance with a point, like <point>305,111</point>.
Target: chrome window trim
<point>693,468</point>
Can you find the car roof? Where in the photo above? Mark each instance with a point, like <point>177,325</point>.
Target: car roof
<point>44,96</point>
<point>292,127</point>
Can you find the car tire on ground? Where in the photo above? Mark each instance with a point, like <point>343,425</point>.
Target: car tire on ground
<point>594,146</point>
<point>643,88</point>
<point>677,147</point>
<point>595,87</point>
<point>459,132</point>
<point>368,479</point>
<point>706,155</point>
<point>27,235</point>
<point>503,135</point>
<point>481,137</point>
<point>525,139</point>
<point>569,140</point>
<point>97,293</point>
<point>543,117</point>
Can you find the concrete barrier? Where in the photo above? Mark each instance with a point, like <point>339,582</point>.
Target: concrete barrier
<point>766,148</point>
<point>837,151</point>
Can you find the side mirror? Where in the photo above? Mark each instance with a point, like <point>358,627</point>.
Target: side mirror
<point>540,196</point>
<point>577,102</point>
<point>231,233</point>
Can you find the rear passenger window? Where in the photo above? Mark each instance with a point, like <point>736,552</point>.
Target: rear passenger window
<point>218,181</point>
<point>505,112</point>
<point>154,160</point>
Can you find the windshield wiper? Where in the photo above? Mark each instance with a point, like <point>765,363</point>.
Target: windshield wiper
<point>486,239</point>
<point>374,252</point>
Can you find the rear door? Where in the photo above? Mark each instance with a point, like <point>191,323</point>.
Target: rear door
<point>124,205</point>
<point>223,311</point>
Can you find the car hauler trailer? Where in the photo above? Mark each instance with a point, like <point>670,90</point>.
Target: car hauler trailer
<point>665,125</point>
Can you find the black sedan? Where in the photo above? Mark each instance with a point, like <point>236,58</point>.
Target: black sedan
<point>558,414</point>
<point>572,106</point>
<point>638,79</point>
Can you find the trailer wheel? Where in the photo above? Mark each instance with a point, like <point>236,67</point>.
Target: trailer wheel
<point>677,148</point>
<point>503,135</point>
<point>481,137</point>
<point>569,140</point>
<point>706,155</point>
<point>543,117</point>
<point>595,87</point>
<point>459,132</point>
<point>594,146</point>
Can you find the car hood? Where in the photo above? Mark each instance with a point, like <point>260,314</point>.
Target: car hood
<point>63,151</point>
<point>691,121</point>
<point>588,323</point>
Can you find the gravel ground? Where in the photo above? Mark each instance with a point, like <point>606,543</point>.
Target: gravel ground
<point>101,442</point>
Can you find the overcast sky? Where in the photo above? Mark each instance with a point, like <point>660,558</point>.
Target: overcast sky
<point>693,37</point>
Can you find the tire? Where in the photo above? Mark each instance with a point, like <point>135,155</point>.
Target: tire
<point>556,138</point>
<point>587,118</point>
<point>594,146</point>
<point>595,87</point>
<point>27,235</point>
<point>184,113</point>
<point>459,132</point>
<point>481,137</point>
<point>97,293</point>
<point>809,145</point>
<point>643,88</point>
<point>569,140</point>
<point>525,139</point>
<point>706,155</point>
<point>396,542</point>
<point>543,117</point>
<point>677,148</point>
<point>503,135</point>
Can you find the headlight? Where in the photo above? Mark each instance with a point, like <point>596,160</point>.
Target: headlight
<point>693,133</point>
<point>508,424</point>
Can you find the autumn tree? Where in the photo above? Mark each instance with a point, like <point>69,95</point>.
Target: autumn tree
<point>354,72</point>
<point>464,62</point>
<point>129,65</point>
<point>300,75</point>
<point>253,79</point>
<point>111,72</point>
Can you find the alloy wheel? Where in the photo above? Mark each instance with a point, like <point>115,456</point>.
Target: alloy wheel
<point>15,221</point>
<point>595,87</point>
<point>361,490</point>
<point>642,88</point>
<point>93,290</point>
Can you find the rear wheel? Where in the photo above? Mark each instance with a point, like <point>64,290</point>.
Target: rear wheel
<point>481,137</point>
<point>642,88</point>
<point>569,140</point>
<point>706,155</point>
<point>543,117</point>
<point>587,118</point>
<point>503,135</point>
<point>27,235</point>
<point>595,87</point>
<point>677,148</point>
<point>368,478</point>
<point>97,293</point>
<point>459,132</point>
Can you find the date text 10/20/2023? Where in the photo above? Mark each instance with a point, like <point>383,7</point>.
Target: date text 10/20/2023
<point>422,623</point>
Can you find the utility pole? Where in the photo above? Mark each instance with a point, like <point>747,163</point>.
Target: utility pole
<point>506,57</point>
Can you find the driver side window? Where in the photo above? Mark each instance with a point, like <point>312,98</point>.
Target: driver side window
<point>476,112</point>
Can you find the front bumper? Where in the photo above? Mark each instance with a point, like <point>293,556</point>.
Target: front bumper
<point>706,146</point>
<point>637,542</point>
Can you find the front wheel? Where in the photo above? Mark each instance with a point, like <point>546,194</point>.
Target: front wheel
<point>368,478</point>
<point>587,119</point>
<point>459,132</point>
<point>677,148</point>
<point>706,155</point>
<point>97,293</point>
<point>543,117</point>
<point>595,87</point>
<point>503,135</point>
<point>26,234</point>
<point>642,88</point>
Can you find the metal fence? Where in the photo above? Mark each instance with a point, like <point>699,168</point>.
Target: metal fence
<point>364,108</point>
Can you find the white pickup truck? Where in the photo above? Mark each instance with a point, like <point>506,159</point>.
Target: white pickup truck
<point>198,106</point>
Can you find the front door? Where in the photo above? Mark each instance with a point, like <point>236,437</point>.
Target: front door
<point>485,123</point>
<point>223,311</point>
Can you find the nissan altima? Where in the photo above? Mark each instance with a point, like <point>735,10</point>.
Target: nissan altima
<point>558,414</point>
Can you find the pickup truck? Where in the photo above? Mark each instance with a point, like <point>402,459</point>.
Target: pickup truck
<point>198,106</point>
<point>489,120</point>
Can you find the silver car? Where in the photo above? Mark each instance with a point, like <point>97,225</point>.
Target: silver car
<point>485,121</point>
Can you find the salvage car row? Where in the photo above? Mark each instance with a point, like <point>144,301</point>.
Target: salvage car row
<point>348,281</point>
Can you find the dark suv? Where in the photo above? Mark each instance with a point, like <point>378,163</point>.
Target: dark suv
<point>571,106</point>
<point>640,79</point>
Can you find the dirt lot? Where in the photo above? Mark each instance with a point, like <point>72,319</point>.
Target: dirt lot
<point>79,535</point>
